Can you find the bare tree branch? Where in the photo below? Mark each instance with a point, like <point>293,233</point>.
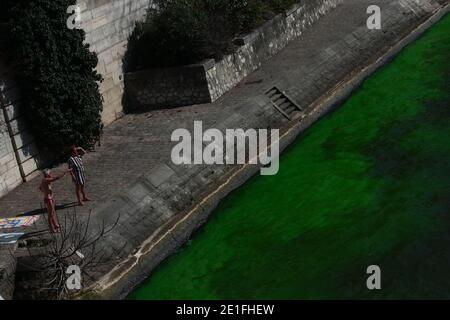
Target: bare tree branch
<point>76,244</point>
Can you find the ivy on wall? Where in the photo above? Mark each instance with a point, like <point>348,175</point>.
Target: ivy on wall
<point>55,73</point>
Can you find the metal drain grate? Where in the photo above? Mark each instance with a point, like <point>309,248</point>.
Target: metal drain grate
<point>283,103</point>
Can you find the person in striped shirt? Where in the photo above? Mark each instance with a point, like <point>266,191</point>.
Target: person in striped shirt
<point>76,168</point>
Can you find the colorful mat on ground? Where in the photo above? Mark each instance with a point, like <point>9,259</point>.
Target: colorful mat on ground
<point>17,222</point>
<point>10,238</point>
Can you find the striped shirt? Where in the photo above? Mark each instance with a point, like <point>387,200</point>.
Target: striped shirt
<point>76,164</point>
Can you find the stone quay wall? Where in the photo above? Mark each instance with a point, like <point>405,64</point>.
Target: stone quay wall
<point>207,81</point>
<point>10,176</point>
<point>179,86</point>
<point>19,156</point>
<point>264,43</point>
<point>108,24</point>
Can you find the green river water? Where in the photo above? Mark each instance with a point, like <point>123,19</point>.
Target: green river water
<point>367,184</point>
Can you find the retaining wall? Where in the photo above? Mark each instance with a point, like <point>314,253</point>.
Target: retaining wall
<point>179,86</point>
<point>108,24</point>
<point>206,82</point>
<point>19,156</point>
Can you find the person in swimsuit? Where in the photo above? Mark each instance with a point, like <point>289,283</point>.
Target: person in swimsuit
<point>76,168</point>
<point>46,188</point>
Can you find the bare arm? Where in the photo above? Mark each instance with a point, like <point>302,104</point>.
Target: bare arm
<point>50,180</point>
<point>81,151</point>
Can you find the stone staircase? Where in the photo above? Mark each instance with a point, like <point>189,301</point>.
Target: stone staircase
<point>283,103</point>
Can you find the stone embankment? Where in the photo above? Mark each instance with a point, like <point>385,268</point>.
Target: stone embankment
<point>206,82</point>
<point>161,204</point>
<point>318,71</point>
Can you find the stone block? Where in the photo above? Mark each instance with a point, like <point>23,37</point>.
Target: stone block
<point>23,138</point>
<point>159,175</point>
<point>27,151</point>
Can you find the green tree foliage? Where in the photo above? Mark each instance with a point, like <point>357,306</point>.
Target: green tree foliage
<point>188,31</point>
<point>55,73</point>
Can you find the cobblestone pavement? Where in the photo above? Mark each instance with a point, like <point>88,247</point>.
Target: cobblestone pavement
<point>131,172</point>
<point>130,147</point>
<point>137,143</point>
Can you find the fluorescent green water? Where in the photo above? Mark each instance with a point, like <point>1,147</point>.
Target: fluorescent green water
<point>369,184</point>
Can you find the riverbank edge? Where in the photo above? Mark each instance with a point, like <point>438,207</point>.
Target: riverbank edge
<point>118,283</point>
